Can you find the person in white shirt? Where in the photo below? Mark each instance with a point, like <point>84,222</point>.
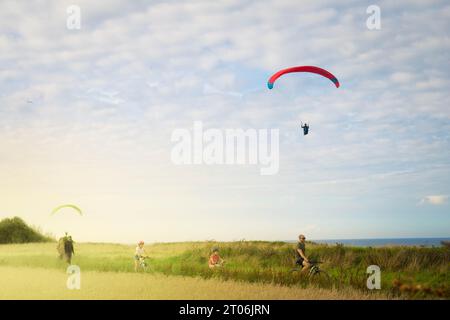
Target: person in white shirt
<point>138,254</point>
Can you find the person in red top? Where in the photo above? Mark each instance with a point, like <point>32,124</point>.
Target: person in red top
<point>215,260</point>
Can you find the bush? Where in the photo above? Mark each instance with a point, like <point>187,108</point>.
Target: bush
<point>15,230</point>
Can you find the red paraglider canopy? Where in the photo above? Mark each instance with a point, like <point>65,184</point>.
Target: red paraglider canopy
<point>311,69</point>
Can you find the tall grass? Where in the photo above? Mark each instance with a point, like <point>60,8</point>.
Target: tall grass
<point>406,271</point>
<point>273,262</point>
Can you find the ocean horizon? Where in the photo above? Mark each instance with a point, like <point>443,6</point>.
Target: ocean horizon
<point>379,242</point>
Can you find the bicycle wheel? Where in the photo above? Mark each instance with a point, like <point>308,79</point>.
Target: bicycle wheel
<point>143,265</point>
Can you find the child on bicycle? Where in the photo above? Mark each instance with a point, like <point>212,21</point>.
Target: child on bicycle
<point>139,254</point>
<point>215,260</point>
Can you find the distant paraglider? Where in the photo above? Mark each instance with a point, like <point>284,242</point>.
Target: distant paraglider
<point>66,244</point>
<point>310,69</point>
<point>71,206</point>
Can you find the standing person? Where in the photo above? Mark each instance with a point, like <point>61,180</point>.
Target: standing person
<point>69,249</point>
<point>139,254</point>
<point>300,253</point>
<point>215,260</point>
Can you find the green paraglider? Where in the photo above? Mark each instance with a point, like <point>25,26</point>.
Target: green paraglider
<point>57,209</point>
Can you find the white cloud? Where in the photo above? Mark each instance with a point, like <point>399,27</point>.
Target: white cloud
<point>435,199</point>
<point>402,77</point>
<point>113,91</point>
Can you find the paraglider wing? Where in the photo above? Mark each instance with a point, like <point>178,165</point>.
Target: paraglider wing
<point>67,206</point>
<point>310,69</point>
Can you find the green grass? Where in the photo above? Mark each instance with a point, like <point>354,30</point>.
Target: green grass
<point>272,262</point>
<point>405,271</point>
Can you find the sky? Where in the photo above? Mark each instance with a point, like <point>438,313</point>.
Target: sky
<point>86,117</point>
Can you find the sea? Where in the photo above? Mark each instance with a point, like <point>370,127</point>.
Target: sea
<point>419,242</point>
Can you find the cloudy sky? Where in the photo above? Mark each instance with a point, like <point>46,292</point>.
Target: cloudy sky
<point>86,117</point>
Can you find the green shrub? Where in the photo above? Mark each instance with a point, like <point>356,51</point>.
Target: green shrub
<point>15,230</point>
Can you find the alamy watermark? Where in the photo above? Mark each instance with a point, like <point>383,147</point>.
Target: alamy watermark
<point>73,21</point>
<point>74,278</point>
<point>227,147</point>
<point>373,22</point>
<point>374,279</point>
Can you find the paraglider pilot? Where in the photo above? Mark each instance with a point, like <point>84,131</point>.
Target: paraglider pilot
<point>305,128</point>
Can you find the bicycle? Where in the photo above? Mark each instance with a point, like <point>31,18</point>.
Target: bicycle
<point>316,274</point>
<point>142,263</point>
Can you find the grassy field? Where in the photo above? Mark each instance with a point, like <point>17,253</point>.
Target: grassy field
<point>254,270</point>
<point>38,283</point>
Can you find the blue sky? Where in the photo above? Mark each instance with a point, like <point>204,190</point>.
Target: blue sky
<point>106,98</point>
